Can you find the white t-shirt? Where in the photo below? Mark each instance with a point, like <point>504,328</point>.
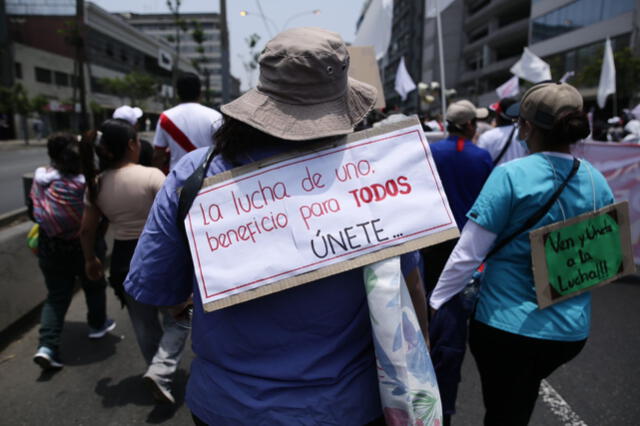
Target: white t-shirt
<point>493,141</point>
<point>186,127</point>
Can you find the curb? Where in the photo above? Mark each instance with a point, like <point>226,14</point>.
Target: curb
<point>13,217</point>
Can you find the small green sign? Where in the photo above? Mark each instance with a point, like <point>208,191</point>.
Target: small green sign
<point>583,254</point>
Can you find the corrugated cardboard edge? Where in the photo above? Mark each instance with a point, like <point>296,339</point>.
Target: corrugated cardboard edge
<point>333,269</point>
<point>337,268</point>
<point>364,67</point>
<point>539,261</point>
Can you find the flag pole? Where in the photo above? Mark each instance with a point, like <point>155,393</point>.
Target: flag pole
<point>441,57</point>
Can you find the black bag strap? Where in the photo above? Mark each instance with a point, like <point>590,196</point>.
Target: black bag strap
<point>538,214</point>
<point>190,189</point>
<point>505,147</point>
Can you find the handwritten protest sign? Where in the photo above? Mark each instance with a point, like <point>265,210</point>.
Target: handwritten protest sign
<point>288,220</point>
<point>581,253</point>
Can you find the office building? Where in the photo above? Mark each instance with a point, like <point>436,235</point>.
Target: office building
<point>570,36</point>
<point>495,33</point>
<point>44,60</point>
<point>207,55</point>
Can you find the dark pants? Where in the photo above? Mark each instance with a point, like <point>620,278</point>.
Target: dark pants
<point>435,257</point>
<point>120,260</point>
<point>447,329</point>
<point>378,422</point>
<point>448,338</point>
<point>62,263</point>
<point>511,368</point>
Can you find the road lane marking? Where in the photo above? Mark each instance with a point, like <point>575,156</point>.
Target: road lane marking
<point>559,406</point>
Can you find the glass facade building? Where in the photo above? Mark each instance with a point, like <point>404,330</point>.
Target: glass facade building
<point>578,14</point>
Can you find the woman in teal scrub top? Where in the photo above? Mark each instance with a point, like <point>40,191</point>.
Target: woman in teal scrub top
<point>516,344</point>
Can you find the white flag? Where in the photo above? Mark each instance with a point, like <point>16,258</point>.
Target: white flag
<point>509,89</point>
<point>375,29</point>
<point>404,82</point>
<point>607,84</point>
<point>567,75</point>
<point>531,68</point>
<point>441,6</point>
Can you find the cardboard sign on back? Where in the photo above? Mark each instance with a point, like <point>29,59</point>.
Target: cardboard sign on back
<point>316,212</point>
<point>581,253</point>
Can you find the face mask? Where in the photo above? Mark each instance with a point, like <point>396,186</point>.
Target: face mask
<point>523,144</point>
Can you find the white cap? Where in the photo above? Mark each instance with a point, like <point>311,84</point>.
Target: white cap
<point>126,113</point>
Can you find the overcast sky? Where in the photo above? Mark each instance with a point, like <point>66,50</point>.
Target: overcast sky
<point>335,15</point>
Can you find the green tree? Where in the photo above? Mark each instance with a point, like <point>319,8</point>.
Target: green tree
<point>197,35</point>
<point>627,70</point>
<point>251,65</point>
<point>180,26</point>
<point>135,86</point>
<point>16,100</point>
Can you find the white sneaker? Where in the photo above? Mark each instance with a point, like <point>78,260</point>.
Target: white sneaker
<point>99,333</point>
<point>46,359</point>
<point>161,393</point>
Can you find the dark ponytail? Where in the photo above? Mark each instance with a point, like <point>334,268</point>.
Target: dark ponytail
<point>109,144</point>
<point>568,129</point>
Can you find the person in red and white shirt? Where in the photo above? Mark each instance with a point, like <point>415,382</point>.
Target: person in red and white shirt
<point>186,126</point>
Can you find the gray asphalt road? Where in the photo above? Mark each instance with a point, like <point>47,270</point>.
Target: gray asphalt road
<point>14,162</point>
<point>101,384</point>
<point>600,386</point>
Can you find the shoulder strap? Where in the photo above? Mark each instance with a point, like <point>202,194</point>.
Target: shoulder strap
<point>538,214</point>
<point>505,147</point>
<point>190,189</point>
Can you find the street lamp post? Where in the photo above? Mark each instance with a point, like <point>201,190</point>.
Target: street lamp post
<point>224,41</point>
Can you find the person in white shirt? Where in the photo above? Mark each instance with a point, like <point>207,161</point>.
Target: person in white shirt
<point>186,126</point>
<point>502,141</point>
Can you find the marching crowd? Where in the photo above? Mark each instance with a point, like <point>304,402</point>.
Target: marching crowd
<point>305,355</point>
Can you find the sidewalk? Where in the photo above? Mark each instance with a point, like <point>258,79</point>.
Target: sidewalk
<point>12,144</point>
<point>100,384</point>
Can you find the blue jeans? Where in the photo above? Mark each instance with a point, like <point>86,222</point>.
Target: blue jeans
<point>160,337</point>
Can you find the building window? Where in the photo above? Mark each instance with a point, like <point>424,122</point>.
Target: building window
<point>43,75</point>
<point>478,34</point>
<point>61,79</point>
<point>585,61</point>
<point>579,14</point>
<point>18,70</point>
<point>477,5</point>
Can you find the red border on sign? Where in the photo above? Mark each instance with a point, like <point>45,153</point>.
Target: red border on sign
<point>388,242</point>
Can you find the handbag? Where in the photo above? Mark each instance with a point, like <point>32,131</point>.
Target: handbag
<point>32,238</point>
<point>471,291</point>
<point>406,379</point>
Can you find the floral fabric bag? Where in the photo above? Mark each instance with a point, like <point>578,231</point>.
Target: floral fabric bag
<point>407,381</point>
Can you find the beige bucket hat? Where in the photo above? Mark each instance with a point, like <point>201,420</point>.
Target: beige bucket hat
<point>304,91</point>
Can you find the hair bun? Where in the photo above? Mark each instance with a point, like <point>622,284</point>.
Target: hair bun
<point>571,128</point>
